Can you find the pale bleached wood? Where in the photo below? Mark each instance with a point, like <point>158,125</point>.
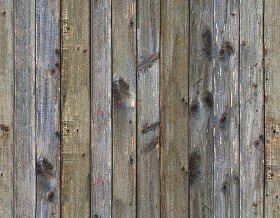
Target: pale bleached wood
<point>24,113</point>
<point>226,108</point>
<point>6,108</point>
<point>48,106</point>
<point>272,112</point>
<point>201,150</point>
<point>251,109</point>
<point>75,108</point>
<point>148,152</point>
<point>124,108</point>
<point>174,119</point>
<point>101,93</point>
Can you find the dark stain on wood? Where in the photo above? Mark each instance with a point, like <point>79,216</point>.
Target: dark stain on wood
<point>227,50</point>
<point>4,128</point>
<point>151,145</point>
<point>194,108</point>
<point>51,195</point>
<point>44,167</point>
<point>194,166</point>
<point>206,38</point>
<point>151,127</point>
<point>208,99</point>
<point>120,90</point>
<point>223,120</point>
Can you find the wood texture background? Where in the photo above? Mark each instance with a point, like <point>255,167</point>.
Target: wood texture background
<point>139,108</point>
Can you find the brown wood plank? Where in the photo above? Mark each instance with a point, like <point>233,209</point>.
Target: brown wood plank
<point>6,108</point>
<point>272,112</point>
<point>24,120</point>
<point>48,108</point>
<point>251,109</point>
<point>75,109</point>
<point>226,108</point>
<point>148,162</point>
<point>124,108</point>
<point>201,151</point>
<point>101,132</point>
<point>174,119</point>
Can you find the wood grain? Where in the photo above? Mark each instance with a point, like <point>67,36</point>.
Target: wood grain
<point>174,119</point>
<point>201,150</point>
<point>272,113</point>
<point>6,108</point>
<point>101,96</point>
<point>48,106</point>
<point>226,109</point>
<point>124,109</point>
<point>251,109</point>
<point>75,109</point>
<point>24,110</point>
<point>148,150</point>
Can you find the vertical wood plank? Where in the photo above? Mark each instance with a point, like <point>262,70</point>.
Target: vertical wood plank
<point>75,109</point>
<point>174,111</point>
<point>6,108</point>
<point>24,120</point>
<point>148,153</point>
<point>272,113</point>
<point>226,108</point>
<point>101,140</point>
<point>201,149</point>
<point>48,108</point>
<point>251,109</point>
<point>124,113</point>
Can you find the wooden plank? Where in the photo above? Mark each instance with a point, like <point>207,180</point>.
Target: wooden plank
<point>75,109</point>
<point>101,121</point>
<point>6,108</point>
<point>251,109</point>
<point>124,113</point>
<point>226,109</point>
<point>48,108</point>
<point>174,119</point>
<point>24,120</point>
<point>148,162</point>
<point>272,113</point>
<point>201,148</point>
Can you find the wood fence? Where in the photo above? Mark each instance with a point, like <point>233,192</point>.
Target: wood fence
<point>139,108</point>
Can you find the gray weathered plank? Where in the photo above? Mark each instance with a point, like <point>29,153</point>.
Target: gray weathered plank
<point>201,150</point>
<point>251,109</point>
<point>24,113</point>
<point>148,162</point>
<point>101,132</point>
<point>174,119</point>
<point>48,108</point>
<point>75,109</point>
<point>272,112</point>
<point>226,108</point>
<point>124,113</point>
<point>6,108</point>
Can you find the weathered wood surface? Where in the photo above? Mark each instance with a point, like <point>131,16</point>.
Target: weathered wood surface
<point>272,112</point>
<point>101,100</point>
<point>174,105</point>
<point>124,108</point>
<point>6,108</point>
<point>48,108</point>
<point>75,109</point>
<point>201,150</point>
<point>148,150</point>
<point>24,113</point>
<point>226,108</point>
<point>251,109</point>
